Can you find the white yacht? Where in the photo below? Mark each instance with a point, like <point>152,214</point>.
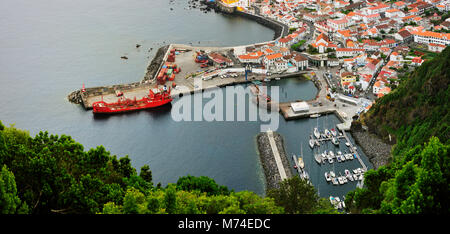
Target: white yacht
<point>316,133</point>
<point>311,142</point>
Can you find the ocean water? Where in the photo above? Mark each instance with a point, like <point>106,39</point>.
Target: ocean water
<point>49,48</point>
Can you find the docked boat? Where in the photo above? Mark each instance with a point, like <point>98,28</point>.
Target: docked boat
<point>335,181</point>
<point>330,160</point>
<point>327,176</point>
<point>301,164</point>
<point>348,174</point>
<point>347,144</point>
<point>316,133</point>
<point>335,141</point>
<point>156,97</point>
<point>332,174</point>
<point>349,156</point>
<point>317,142</point>
<point>311,142</point>
<point>327,133</point>
<point>355,177</point>
<point>333,132</point>
<point>338,158</point>
<point>314,116</point>
<point>338,203</point>
<point>340,180</point>
<point>318,158</point>
<point>294,158</point>
<point>331,154</point>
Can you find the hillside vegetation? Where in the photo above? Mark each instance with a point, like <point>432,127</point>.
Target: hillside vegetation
<point>416,115</point>
<point>54,174</point>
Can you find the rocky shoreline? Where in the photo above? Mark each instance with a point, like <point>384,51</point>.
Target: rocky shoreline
<point>268,163</point>
<point>378,152</point>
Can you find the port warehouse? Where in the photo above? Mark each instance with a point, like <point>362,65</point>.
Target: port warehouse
<point>300,107</point>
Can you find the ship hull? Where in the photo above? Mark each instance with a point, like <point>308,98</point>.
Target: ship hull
<point>116,108</point>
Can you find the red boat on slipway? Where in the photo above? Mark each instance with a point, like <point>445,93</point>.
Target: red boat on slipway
<point>156,97</point>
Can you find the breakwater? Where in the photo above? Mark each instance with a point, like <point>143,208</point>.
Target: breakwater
<point>79,97</point>
<point>268,161</point>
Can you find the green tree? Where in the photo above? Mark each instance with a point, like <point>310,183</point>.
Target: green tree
<point>170,199</point>
<point>296,196</point>
<point>202,184</point>
<point>10,203</point>
<point>146,174</point>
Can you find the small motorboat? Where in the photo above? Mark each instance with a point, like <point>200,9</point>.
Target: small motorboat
<point>124,57</point>
<point>333,132</point>
<point>327,133</point>
<point>327,176</point>
<point>347,144</point>
<point>335,141</point>
<point>330,160</point>
<point>331,154</point>
<point>348,174</point>
<point>335,181</point>
<point>332,174</point>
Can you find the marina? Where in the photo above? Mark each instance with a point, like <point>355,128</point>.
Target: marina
<point>234,163</point>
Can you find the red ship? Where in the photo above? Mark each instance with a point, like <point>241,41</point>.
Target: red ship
<point>156,97</point>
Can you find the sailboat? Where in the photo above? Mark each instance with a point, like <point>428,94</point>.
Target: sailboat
<point>316,130</point>
<point>311,142</point>
<point>318,158</point>
<point>301,164</point>
<point>316,133</point>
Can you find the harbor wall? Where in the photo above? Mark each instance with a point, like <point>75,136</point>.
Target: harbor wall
<point>280,29</point>
<point>272,175</point>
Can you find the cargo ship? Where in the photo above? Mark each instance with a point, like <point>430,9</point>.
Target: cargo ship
<point>156,97</point>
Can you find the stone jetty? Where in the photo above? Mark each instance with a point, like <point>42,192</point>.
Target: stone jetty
<point>268,160</point>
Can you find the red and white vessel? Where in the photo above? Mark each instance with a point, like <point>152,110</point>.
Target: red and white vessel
<point>156,97</point>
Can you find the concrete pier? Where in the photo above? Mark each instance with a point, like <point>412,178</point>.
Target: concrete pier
<point>273,158</point>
